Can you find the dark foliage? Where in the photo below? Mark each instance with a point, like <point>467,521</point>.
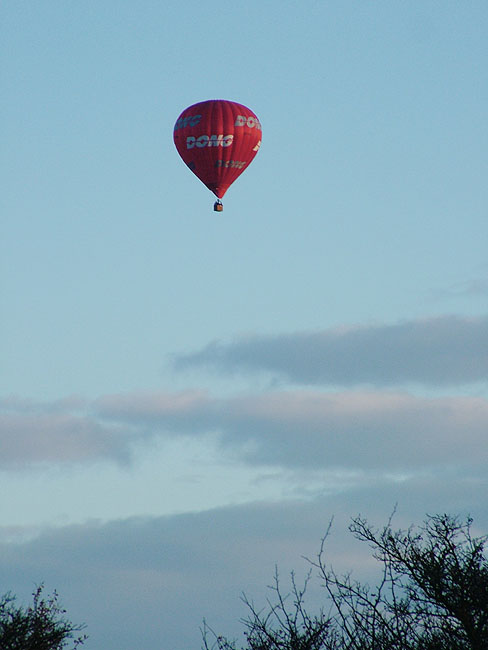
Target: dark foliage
<point>41,626</point>
<point>432,595</point>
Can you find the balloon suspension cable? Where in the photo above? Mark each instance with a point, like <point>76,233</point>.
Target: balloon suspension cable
<point>218,206</point>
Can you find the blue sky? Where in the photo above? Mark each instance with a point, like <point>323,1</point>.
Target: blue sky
<point>186,397</point>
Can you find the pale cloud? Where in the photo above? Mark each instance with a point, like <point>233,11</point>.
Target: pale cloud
<point>151,407</point>
<point>477,287</point>
<point>289,429</point>
<point>442,351</point>
<point>314,429</point>
<point>62,431</point>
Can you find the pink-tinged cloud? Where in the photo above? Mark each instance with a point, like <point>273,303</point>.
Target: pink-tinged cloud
<point>443,351</point>
<point>56,432</point>
<point>319,429</point>
<point>149,406</point>
<point>292,429</point>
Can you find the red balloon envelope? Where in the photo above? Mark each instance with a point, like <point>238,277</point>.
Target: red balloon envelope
<point>217,139</point>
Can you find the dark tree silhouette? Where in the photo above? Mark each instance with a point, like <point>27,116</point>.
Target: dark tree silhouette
<point>432,594</point>
<point>40,626</point>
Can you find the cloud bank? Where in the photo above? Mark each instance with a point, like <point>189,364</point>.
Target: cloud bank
<point>149,582</point>
<point>299,428</point>
<point>442,351</point>
<point>290,429</point>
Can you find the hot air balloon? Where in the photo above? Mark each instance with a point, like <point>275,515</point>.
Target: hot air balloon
<point>217,139</point>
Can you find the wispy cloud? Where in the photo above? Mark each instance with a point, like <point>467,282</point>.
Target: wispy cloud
<point>477,287</point>
<point>443,351</point>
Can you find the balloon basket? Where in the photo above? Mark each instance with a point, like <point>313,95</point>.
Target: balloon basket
<point>218,206</point>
